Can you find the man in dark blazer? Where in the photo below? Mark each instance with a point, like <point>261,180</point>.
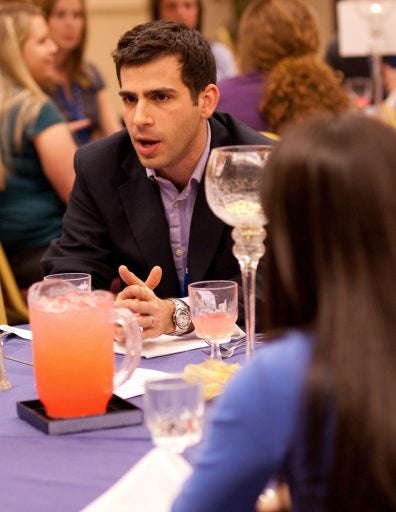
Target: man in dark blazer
<point>128,186</point>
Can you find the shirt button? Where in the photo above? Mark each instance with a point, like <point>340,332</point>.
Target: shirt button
<point>176,204</point>
<point>179,252</point>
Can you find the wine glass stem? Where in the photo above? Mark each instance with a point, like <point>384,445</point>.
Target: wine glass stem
<point>249,299</point>
<point>215,352</point>
<point>248,249</point>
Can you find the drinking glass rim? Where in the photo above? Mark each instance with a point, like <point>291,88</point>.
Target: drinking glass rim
<point>71,276</point>
<point>105,296</point>
<point>223,284</point>
<point>179,382</point>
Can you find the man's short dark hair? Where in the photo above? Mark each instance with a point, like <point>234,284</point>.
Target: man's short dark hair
<point>156,39</point>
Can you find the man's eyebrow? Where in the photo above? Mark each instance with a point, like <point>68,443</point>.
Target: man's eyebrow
<point>125,93</point>
<point>150,92</point>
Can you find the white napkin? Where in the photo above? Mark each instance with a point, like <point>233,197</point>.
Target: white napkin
<point>150,486</point>
<point>22,333</point>
<point>164,344</point>
<point>134,386</point>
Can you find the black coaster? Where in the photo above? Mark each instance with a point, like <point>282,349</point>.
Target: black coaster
<point>120,413</point>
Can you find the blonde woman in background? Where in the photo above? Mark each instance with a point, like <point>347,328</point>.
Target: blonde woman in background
<point>269,31</point>
<point>36,148</point>
<point>79,90</point>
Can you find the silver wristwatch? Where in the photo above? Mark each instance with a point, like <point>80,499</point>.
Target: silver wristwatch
<point>181,318</point>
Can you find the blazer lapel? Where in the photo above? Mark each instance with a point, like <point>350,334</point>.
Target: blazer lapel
<point>144,211</point>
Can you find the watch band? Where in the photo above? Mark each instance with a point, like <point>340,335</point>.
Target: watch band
<point>181,318</point>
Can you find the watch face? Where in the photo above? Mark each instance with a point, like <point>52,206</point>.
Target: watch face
<point>183,319</point>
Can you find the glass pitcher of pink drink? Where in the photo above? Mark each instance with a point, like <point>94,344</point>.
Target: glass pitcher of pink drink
<point>73,347</point>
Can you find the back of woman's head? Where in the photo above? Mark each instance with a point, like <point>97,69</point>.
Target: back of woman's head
<point>271,30</point>
<point>329,192</point>
<point>330,196</point>
<point>299,87</point>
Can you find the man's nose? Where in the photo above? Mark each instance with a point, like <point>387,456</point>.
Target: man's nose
<point>142,114</point>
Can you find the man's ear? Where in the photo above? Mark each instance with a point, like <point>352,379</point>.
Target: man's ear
<point>208,100</point>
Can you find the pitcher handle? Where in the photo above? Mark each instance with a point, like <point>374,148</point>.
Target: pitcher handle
<point>124,318</point>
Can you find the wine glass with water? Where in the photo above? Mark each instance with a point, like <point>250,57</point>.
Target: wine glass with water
<point>214,311</point>
<point>232,185</point>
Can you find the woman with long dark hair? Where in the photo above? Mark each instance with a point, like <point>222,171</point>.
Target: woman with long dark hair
<point>316,405</point>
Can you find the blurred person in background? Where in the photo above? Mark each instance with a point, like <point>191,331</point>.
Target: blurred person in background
<point>351,67</point>
<point>316,404</point>
<point>300,87</point>
<point>386,110</point>
<point>79,90</point>
<point>36,148</point>
<point>269,31</point>
<point>190,12</point>
<point>358,81</point>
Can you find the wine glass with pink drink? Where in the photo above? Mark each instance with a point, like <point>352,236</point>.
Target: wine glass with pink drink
<point>214,311</point>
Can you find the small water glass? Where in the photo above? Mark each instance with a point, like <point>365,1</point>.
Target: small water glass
<point>173,412</point>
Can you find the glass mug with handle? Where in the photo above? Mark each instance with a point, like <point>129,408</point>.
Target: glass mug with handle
<point>73,347</point>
